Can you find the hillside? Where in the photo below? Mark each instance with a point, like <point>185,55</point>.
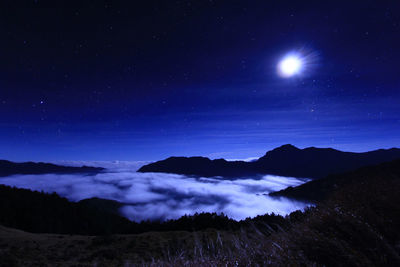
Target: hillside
<point>321,189</point>
<point>286,160</point>
<point>49,213</point>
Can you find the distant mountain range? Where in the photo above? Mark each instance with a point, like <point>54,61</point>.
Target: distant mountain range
<point>10,168</point>
<point>286,160</point>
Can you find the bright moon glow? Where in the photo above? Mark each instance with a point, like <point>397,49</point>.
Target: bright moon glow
<point>289,66</point>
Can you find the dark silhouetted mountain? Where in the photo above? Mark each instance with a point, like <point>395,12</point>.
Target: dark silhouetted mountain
<point>286,160</point>
<point>200,166</point>
<point>318,190</point>
<point>315,162</point>
<point>10,168</point>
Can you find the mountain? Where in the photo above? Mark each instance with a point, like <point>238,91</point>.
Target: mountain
<point>321,189</point>
<point>315,162</point>
<point>286,160</point>
<point>11,168</point>
<point>200,166</point>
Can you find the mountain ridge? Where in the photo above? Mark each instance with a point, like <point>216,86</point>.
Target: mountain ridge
<point>286,160</point>
<point>10,168</point>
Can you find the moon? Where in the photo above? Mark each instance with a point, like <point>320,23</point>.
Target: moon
<point>290,66</point>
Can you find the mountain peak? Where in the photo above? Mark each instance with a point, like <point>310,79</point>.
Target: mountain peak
<point>282,150</point>
<point>287,147</point>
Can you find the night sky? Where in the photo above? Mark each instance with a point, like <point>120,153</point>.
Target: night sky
<point>109,80</point>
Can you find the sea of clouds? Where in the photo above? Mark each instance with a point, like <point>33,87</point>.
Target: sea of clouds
<point>161,196</point>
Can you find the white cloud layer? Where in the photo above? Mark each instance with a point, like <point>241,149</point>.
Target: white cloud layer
<point>166,196</point>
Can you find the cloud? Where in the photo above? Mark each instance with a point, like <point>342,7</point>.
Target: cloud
<point>161,196</point>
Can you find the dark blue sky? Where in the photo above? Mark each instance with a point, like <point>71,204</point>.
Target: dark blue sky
<point>109,80</point>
